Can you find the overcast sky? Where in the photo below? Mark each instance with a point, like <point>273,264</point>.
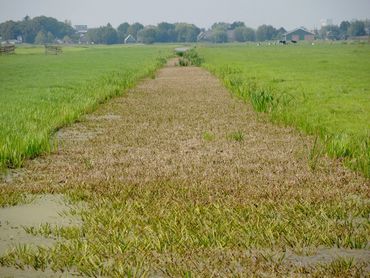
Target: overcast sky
<point>286,13</point>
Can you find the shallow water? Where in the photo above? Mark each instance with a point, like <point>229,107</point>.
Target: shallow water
<point>44,209</point>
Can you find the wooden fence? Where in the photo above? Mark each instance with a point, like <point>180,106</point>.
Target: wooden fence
<point>53,49</point>
<point>7,49</point>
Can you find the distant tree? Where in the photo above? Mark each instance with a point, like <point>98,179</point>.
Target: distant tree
<point>219,36</point>
<point>41,38</point>
<point>29,31</point>
<point>357,28</point>
<point>344,26</point>
<point>134,29</point>
<point>280,33</point>
<point>49,24</point>
<point>102,35</point>
<point>221,26</point>
<point>108,34</point>
<point>166,32</point>
<point>330,32</point>
<point>147,35</point>
<point>265,33</point>
<point>93,35</point>
<point>67,39</point>
<point>9,30</point>
<point>243,34</point>
<point>50,37</point>
<point>68,22</point>
<point>239,34</point>
<point>367,26</point>
<point>237,24</point>
<point>122,31</point>
<point>29,28</point>
<point>186,32</point>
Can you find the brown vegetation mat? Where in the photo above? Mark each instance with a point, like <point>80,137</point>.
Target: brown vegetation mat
<point>187,146</point>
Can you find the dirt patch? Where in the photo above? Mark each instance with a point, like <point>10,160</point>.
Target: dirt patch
<point>9,272</point>
<point>108,117</point>
<point>44,209</point>
<point>326,255</point>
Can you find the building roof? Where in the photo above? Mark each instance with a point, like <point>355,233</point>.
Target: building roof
<point>130,38</point>
<point>206,35</point>
<point>300,28</point>
<point>80,27</point>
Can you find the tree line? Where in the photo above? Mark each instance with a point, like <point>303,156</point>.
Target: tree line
<point>40,29</point>
<point>345,30</point>
<point>44,29</point>
<point>163,32</point>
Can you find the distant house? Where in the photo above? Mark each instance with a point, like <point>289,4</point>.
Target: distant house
<point>81,29</point>
<point>299,34</point>
<point>205,36</point>
<point>130,39</point>
<point>8,42</point>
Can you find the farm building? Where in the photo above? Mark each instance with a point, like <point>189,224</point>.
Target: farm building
<point>81,29</point>
<point>130,39</point>
<point>205,36</point>
<point>299,34</point>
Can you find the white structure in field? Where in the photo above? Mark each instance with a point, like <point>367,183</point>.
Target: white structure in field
<point>130,39</point>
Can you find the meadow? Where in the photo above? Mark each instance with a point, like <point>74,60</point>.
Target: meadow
<point>321,89</point>
<point>179,179</point>
<point>40,93</point>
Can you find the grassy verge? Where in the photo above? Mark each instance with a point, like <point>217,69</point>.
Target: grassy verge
<point>322,90</point>
<point>42,93</point>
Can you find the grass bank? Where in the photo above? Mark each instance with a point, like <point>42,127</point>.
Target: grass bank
<point>39,93</point>
<point>321,89</point>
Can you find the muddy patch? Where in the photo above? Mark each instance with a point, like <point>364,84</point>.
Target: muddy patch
<point>327,255</point>
<point>107,117</point>
<point>49,209</point>
<point>9,175</point>
<point>10,272</point>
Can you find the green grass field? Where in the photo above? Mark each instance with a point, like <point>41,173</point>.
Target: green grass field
<point>40,93</point>
<point>321,89</point>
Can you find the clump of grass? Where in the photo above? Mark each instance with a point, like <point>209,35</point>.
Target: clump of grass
<point>208,136</point>
<point>262,100</point>
<point>315,153</point>
<point>12,198</point>
<point>47,230</point>
<point>237,136</point>
<point>193,56</point>
<point>190,58</point>
<point>184,62</point>
<point>26,255</point>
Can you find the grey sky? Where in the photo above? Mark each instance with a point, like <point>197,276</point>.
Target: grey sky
<point>286,13</point>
